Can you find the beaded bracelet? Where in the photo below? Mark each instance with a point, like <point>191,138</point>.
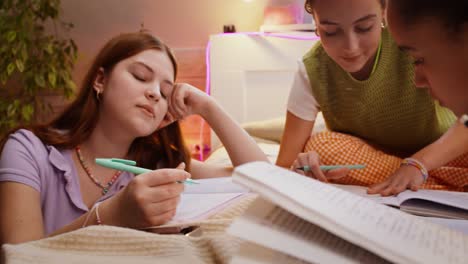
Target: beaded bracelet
<point>98,218</point>
<point>417,164</point>
<point>87,217</point>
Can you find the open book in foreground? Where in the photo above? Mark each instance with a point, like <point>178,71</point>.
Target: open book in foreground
<point>200,201</point>
<point>432,203</point>
<point>319,223</point>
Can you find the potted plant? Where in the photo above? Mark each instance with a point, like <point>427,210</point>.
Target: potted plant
<point>35,60</point>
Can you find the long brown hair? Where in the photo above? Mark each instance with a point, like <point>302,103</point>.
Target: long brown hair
<point>165,146</point>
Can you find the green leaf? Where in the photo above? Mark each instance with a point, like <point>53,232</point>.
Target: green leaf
<point>11,110</point>
<point>19,65</point>
<point>49,48</point>
<point>11,36</point>
<point>24,53</point>
<point>3,78</point>
<point>71,85</point>
<point>14,49</point>
<point>39,79</point>
<point>52,78</point>
<point>36,57</point>
<point>27,112</point>
<point>10,68</point>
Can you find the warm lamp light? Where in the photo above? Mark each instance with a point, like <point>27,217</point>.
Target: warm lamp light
<point>282,15</point>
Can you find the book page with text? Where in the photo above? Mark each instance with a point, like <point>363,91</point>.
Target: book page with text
<point>273,227</point>
<point>455,199</point>
<point>382,230</point>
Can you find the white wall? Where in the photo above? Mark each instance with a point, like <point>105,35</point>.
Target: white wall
<point>181,24</point>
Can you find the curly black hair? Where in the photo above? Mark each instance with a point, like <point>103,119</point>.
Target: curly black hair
<point>453,13</point>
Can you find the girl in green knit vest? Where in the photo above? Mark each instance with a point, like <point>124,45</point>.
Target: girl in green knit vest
<point>441,66</point>
<point>364,86</point>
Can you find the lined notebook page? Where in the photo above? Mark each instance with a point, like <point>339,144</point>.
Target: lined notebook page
<point>385,231</point>
<point>276,228</point>
<point>199,201</point>
<point>214,185</point>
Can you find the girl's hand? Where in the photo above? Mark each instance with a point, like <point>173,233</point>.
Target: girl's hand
<point>312,160</point>
<point>406,177</point>
<point>185,100</point>
<point>150,199</point>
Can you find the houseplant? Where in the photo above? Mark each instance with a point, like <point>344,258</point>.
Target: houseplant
<point>35,59</point>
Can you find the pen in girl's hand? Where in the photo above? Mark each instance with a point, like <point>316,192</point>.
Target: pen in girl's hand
<point>332,167</point>
<point>129,165</point>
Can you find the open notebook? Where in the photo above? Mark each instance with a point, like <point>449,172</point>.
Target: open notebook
<point>199,201</point>
<point>317,222</point>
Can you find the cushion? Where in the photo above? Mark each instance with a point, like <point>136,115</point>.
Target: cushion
<point>272,129</point>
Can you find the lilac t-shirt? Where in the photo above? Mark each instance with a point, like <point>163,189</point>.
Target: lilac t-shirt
<point>51,172</point>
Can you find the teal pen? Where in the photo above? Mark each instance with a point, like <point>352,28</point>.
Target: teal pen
<point>332,167</point>
<point>129,165</point>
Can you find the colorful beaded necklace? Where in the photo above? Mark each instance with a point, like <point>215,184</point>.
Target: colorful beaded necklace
<point>106,187</point>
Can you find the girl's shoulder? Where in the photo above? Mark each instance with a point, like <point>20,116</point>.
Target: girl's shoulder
<point>26,138</point>
<point>24,144</point>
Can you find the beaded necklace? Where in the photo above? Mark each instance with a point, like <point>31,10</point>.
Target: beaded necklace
<point>105,188</point>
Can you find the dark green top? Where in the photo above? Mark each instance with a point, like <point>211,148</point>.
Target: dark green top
<point>386,109</point>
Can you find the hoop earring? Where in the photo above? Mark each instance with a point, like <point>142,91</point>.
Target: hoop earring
<point>98,95</point>
<point>384,25</point>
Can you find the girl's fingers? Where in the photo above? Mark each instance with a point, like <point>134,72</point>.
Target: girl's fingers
<point>164,206</point>
<point>160,218</point>
<point>295,165</point>
<point>314,163</point>
<point>164,192</point>
<point>178,101</point>
<point>337,173</point>
<point>315,169</point>
<point>161,177</point>
<point>378,187</point>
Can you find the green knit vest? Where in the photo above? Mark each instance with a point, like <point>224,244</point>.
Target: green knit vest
<point>386,109</point>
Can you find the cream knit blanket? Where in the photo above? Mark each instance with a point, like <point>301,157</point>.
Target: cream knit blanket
<point>107,244</point>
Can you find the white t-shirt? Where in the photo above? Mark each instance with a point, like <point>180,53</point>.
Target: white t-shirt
<point>301,101</point>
